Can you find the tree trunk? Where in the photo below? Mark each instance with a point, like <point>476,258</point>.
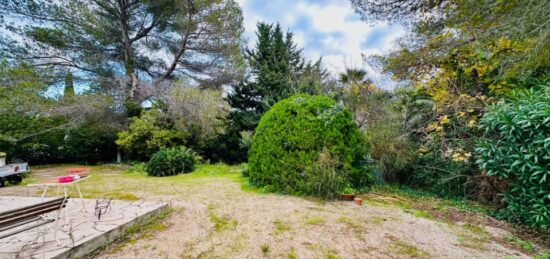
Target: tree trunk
<point>118,157</point>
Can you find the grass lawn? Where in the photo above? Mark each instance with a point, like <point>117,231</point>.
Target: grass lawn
<point>217,215</point>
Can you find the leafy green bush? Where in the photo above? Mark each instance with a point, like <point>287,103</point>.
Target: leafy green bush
<point>172,161</point>
<point>150,132</point>
<point>308,145</point>
<point>42,140</point>
<point>518,150</point>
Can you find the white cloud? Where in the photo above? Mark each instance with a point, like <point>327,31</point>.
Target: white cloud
<point>330,29</point>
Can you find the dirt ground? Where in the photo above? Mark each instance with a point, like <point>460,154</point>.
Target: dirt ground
<point>215,217</point>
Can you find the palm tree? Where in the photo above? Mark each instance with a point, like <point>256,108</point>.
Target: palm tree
<point>353,76</point>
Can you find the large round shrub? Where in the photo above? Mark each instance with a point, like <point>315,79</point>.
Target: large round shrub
<point>308,145</point>
<point>172,161</point>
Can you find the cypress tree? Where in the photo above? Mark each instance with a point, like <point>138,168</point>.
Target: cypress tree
<point>69,86</point>
<point>275,65</point>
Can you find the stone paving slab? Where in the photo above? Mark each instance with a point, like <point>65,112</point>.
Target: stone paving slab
<point>83,232</point>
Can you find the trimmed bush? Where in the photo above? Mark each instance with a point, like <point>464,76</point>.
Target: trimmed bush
<point>308,145</point>
<point>172,161</point>
<point>518,151</point>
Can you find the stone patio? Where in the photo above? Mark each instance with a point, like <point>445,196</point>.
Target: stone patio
<point>82,234</point>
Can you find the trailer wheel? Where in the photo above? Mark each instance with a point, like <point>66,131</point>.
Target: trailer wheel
<point>15,179</point>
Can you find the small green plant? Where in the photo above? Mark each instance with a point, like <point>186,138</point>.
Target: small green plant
<point>221,222</point>
<point>403,249</point>
<point>139,167</point>
<point>331,254</point>
<point>265,249</point>
<point>281,226</point>
<point>292,254</point>
<point>349,190</point>
<point>315,220</point>
<point>172,161</point>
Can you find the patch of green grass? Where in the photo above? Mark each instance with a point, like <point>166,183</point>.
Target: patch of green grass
<point>377,220</point>
<point>221,222</point>
<point>476,229</point>
<point>123,182</point>
<point>292,254</point>
<point>471,236</point>
<point>525,245</point>
<point>315,220</point>
<point>440,202</point>
<point>356,226</point>
<point>118,195</point>
<point>154,223</point>
<point>137,168</point>
<point>331,254</point>
<point>327,252</point>
<point>421,214</point>
<point>281,226</point>
<point>265,249</point>
<point>542,255</point>
<point>402,249</point>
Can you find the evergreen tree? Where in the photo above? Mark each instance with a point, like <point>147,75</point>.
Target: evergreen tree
<point>276,70</point>
<point>69,86</point>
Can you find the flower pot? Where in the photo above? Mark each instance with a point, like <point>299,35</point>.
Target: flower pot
<point>358,201</point>
<point>348,197</point>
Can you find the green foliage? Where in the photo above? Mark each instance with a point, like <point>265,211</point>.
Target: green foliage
<point>389,145</point>
<point>278,71</point>
<point>89,142</point>
<point>518,151</point>
<point>41,128</point>
<point>526,245</point>
<point>21,88</point>
<point>221,222</point>
<point>80,35</point>
<point>374,111</point>
<point>172,161</point>
<point>461,56</point>
<point>437,173</point>
<point>349,190</point>
<point>308,145</point>
<point>139,167</point>
<point>148,133</point>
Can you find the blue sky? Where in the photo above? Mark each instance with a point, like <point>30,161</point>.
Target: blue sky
<point>327,28</point>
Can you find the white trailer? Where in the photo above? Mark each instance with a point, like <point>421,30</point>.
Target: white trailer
<point>11,173</point>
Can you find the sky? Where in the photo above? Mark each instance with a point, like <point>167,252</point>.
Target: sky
<point>327,28</point>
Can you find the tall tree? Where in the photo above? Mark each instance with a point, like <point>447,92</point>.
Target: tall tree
<point>136,45</point>
<point>357,95</point>
<point>353,76</point>
<point>277,71</point>
<point>461,56</point>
